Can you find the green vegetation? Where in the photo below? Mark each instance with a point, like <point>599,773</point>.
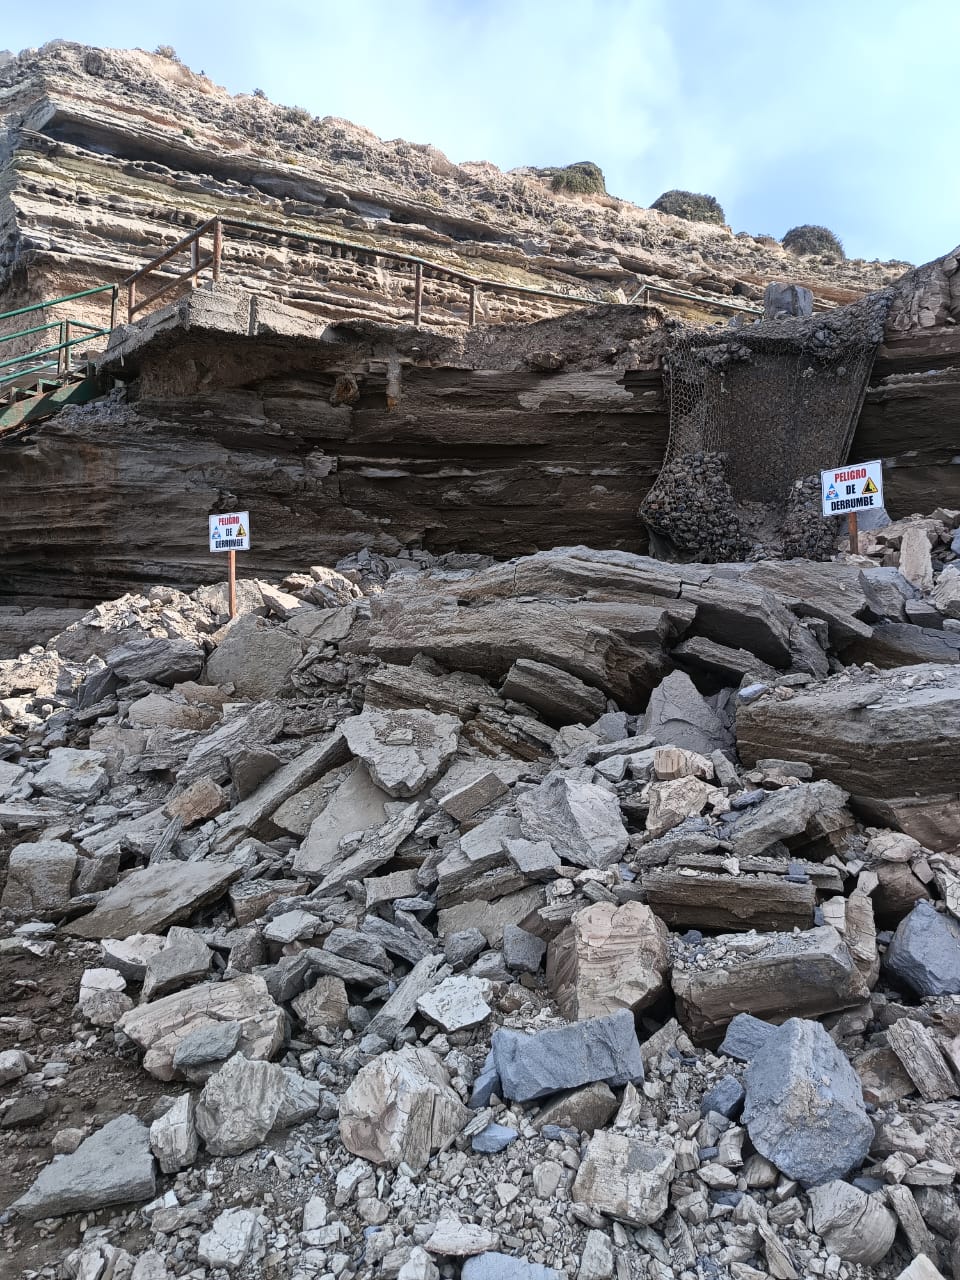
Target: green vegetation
<point>581,179</point>
<point>691,205</point>
<point>808,239</point>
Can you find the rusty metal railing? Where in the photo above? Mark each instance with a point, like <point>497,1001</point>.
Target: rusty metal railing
<point>191,243</point>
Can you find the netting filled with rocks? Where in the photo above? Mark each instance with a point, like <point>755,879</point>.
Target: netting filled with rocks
<point>767,404</point>
<point>578,916</point>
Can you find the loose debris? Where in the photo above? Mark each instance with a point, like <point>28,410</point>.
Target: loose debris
<point>582,916</point>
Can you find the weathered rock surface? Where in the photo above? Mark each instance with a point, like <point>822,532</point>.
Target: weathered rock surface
<point>805,973</point>
<point>404,750</point>
<point>255,658</point>
<point>580,820</point>
<point>149,900</point>
<point>608,958</point>
<point>400,1108</point>
<point>855,1226</point>
<point>625,1178</point>
<point>357,804</point>
<point>39,877</point>
<point>160,1026</point>
<point>173,1137</point>
<point>925,952</point>
<point>597,1049</point>
<point>72,775</point>
<point>112,1166</point>
<point>559,696</point>
<point>804,1108</point>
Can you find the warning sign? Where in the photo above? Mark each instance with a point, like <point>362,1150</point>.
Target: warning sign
<point>856,487</point>
<point>230,531</point>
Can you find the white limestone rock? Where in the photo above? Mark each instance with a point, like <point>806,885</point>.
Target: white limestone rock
<point>456,1003</point>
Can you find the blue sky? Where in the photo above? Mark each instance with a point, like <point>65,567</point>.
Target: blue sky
<point>840,112</point>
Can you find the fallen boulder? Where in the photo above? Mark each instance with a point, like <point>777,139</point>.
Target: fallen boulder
<point>149,900</point>
<point>404,750</point>
<point>400,1109</point>
<point>625,1178</point>
<point>608,958</point>
<point>854,1226</point>
<point>925,952</point>
<point>580,820</point>
<point>804,1107</point>
<point>597,1049</point>
<point>112,1166</point>
<point>39,877</point>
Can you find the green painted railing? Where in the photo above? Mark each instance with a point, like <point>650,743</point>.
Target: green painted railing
<point>51,360</point>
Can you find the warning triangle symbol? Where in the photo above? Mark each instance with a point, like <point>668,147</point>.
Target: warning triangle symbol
<point>832,493</point>
<point>242,533</point>
<point>870,487</point>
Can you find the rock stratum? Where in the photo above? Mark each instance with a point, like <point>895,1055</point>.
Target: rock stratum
<point>298,387</point>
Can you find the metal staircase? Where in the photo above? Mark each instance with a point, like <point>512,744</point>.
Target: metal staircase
<point>41,380</point>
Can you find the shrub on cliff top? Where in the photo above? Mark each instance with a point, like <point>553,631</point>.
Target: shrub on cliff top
<point>809,239</point>
<point>166,51</point>
<point>583,179</point>
<point>691,205</point>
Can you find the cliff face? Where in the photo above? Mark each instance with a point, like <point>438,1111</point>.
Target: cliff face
<point>109,157</point>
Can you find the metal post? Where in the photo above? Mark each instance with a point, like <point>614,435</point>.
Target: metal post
<point>473,305</point>
<point>113,308</point>
<point>194,261</point>
<point>233,583</point>
<point>854,532</point>
<point>217,248</point>
<point>66,346</point>
<point>60,353</point>
<point>418,294</point>
<point>131,300</point>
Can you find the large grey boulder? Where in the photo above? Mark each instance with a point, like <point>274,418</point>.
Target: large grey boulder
<point>596,1049</point>
<point>783,814</point>
<point>245,1099</point>
<point>157,659</point>
<point>72,775</point>
<point>678,715</point>
<point>256,658</point>
<point>581,820</point>
<point>404,750</point>
<point>804,1107</point>
<point>925,952</point>
<point>39,877</point>
<point>112,1166</point>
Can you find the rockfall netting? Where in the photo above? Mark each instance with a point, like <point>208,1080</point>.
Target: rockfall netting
<point>756,410</point>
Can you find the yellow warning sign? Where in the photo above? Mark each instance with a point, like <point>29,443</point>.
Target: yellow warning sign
<point>869,487</point>
<point>242,533</point>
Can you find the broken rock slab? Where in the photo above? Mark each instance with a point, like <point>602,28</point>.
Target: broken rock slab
<point>561,698</point>
<point>112,1166</point>
<point>156,659</point>
<point>808,973</point>
<point>404,750</point>
<point>75,776</point>
<point>503,1266</point>
<point>456,1003</point>
<point>598,1049</point>
<point>678,715</point>
<point>400,1108</point>
<point>804,1107</point>
<point>608,958</point>
<point>234,1240</point>
<point>240,1104</point>
<point>173,1136</point>
<point>357,804</point>
<point>160,1026</point>
<point>256,658</point>
<point>581,820</point>
<point>39,877</point>
<point>149,900</point>
<point>854,1226</point>
<point>625,1178</point>
<point>185,958</point>
<point>925,952</point>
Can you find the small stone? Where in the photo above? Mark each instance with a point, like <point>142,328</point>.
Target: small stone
<point>456,1003</point>
<point>494,1138</point>
<point>452,1238</point>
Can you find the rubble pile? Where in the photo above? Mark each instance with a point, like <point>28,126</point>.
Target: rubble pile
<point>580,916</point>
